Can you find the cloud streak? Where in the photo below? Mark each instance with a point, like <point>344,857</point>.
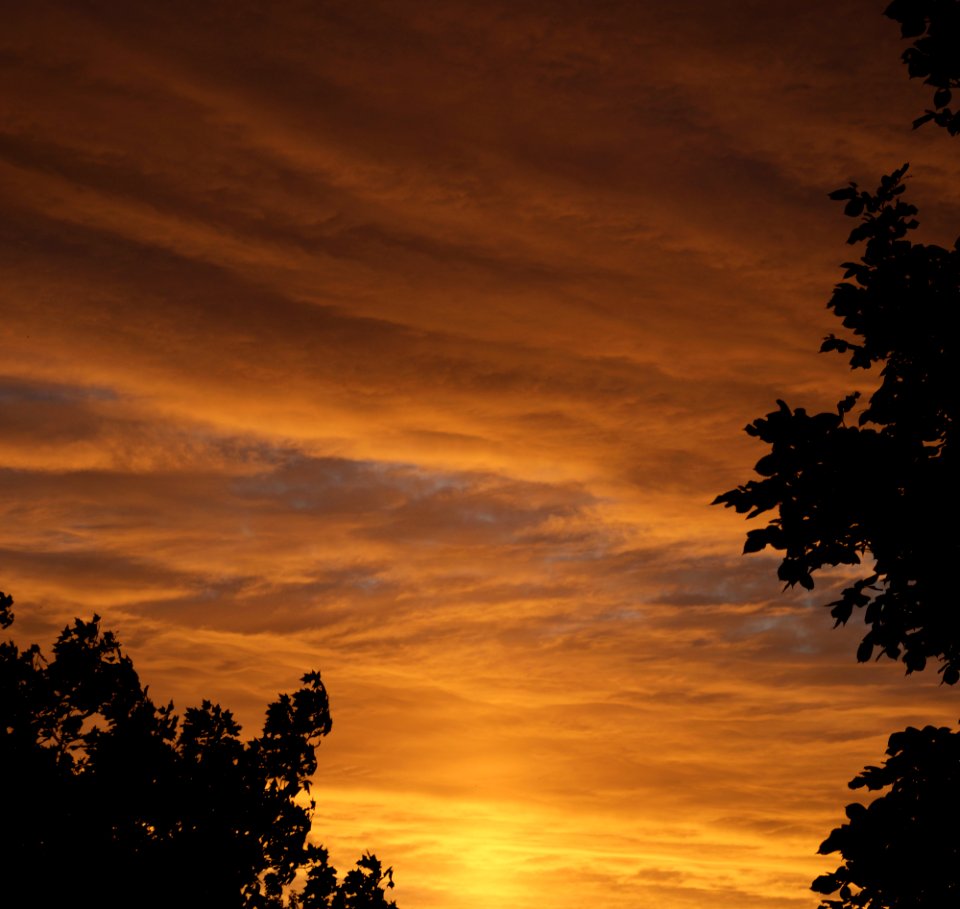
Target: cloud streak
<point>410,342</point>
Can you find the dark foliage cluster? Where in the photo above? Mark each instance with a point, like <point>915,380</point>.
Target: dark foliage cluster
<point>934,55</point>
<point>110,795</point>
<point>875,482</point>
<point>901,851</point>
<point>843,493</point>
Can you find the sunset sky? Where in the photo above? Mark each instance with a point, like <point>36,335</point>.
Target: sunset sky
<point>410,341</point>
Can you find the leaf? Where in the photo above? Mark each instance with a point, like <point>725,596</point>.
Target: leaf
<point>826,883</point>
<point>831,843</point>
<point>833,343</point>
<point>853,208</point>
<point>855,811</point>
<point>841,612</point>
<point>847,192</point>
<point>847,403</point>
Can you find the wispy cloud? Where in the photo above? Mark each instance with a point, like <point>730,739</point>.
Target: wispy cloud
<point>410,342</point>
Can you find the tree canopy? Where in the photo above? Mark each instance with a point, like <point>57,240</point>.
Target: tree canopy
<point>867,483</point>
<point>901,851</point>
<point>933,56</point>
<point>876,483</point>
<point>109,794</point>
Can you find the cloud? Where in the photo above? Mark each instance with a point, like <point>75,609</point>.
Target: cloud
<point>411,342</point>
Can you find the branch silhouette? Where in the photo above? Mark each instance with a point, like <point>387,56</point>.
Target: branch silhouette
<point>874,482</point>
<point>864,483</point>
<point>113,795</point>
<point>933,56</point>
<point>901,851</point>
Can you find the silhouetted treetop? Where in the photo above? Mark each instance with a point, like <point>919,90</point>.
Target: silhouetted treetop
<point>901,851</point>
<point>108,794</point>
<point>935,54</point>
<point>870,483</point>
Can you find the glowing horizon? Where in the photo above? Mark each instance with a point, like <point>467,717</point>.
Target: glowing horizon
<point>411,343</point>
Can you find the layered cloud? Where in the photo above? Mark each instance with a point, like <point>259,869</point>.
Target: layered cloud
<point>411,342</point>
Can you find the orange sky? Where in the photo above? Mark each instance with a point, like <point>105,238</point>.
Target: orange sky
<point>410,341</point>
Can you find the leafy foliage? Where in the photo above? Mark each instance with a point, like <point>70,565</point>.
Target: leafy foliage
<point>871,482</point>
<point>108,793</point>
<point>935,54</point>
<point>874,490</point>
<point>901,851</point>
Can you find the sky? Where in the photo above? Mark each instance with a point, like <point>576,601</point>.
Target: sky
<point>410,342</point>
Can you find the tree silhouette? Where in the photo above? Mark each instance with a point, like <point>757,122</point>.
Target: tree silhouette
<point>901,851</point>
<point>934,56</point>
<point>107,793</point>
<point>872,490</point>
<point>876,489</point>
